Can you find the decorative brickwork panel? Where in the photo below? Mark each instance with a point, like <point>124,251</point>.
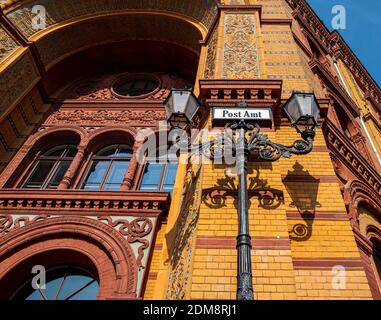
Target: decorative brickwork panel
<point>240,47</point>
<point>183,248</point>
<point>274,9</point>
<point>7,44</point>
<point>283,60</point>
<point>16,79</point>
<point>211,62</point>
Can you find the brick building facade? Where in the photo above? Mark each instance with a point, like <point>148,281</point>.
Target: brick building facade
<point>75,199</point>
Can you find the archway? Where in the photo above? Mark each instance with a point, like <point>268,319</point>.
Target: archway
<point>77,242</point>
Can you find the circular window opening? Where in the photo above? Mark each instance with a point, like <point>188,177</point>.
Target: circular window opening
<point>136,86</point>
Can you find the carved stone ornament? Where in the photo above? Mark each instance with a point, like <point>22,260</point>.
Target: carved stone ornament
<point>7,44</point>
<point>182,253</point>
<point>102,117</point>
<point>240,49</point>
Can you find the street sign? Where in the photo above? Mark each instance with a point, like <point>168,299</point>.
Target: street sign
<point>223,115</point>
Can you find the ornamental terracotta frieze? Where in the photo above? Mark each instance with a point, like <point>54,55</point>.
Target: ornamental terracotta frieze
<point>7,44</point>
<point>134,229</point>
<point>103,87</point>
<point>184,233</point>
<point>106,117</point>
<point>133,215</point>
<point>204,11</point>
<point>240,48</point>
<point>16,80</point>
<point>210,68</point>
<point>79,201</point>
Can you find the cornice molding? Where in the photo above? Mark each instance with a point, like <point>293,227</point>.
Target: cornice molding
<point>334,43</point>
<point>343,150</point>
<point>336,88</point>
<point>79,201</point>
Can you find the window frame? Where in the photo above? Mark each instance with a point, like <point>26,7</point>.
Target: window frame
<point>58,160</point>
<point>110,159</point>
<point>163,174</point>
<point>24,289</point>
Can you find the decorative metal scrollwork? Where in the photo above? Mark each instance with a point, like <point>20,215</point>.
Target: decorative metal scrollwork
<point>258,146</point>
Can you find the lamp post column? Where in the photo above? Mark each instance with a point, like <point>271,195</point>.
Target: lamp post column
<point>244,277</point>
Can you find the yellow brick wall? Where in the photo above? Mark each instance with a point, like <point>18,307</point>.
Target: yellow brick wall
<point>283,60</point>
<point>154,265</point>
<point>284,267</point>
<point>295,250</point>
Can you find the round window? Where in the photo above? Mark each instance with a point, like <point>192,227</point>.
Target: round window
<point>136,86</point>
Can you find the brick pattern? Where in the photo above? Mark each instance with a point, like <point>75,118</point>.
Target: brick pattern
<point>154,265</point>
<point>274,9</point>
<point>282,58</point>
<point>293,251</point>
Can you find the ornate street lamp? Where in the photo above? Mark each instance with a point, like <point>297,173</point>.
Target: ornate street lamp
<point>181,106</point>
<point>302,110</point>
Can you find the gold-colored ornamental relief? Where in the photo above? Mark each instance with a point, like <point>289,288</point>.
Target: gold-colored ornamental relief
<point>7,44</point>
<point>210,68</point>
<point>59,11</point>
<point>240,47</point>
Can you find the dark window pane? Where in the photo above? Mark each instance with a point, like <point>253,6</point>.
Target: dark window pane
<point>108,152</point>
<point>97,172</point>
<point>71,152</point>
<point>117,172</point>
<point>377,260</point>
<point>136,87</point>
<point>55,152</point>
<point>40,174</point>
<point>59,174</point>
<point>152,176</point>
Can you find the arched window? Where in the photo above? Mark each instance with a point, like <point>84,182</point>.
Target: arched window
<point>62,283</point>
<point>108,168</point>
<point>159,173</point>
<point>50,168</point>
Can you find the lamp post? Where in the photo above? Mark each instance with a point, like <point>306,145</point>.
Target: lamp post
<point>302,110</point>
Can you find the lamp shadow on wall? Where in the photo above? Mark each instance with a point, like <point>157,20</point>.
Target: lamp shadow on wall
<point>303,189</point>
<point>217,196</point>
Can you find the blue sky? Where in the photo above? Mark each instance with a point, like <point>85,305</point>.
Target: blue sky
<point>363,33</point>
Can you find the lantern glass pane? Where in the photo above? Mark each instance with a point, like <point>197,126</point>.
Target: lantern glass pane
<point>192,108</point>
<point>292,109</point>
<point>180,101</point>
<point>305,104</point>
